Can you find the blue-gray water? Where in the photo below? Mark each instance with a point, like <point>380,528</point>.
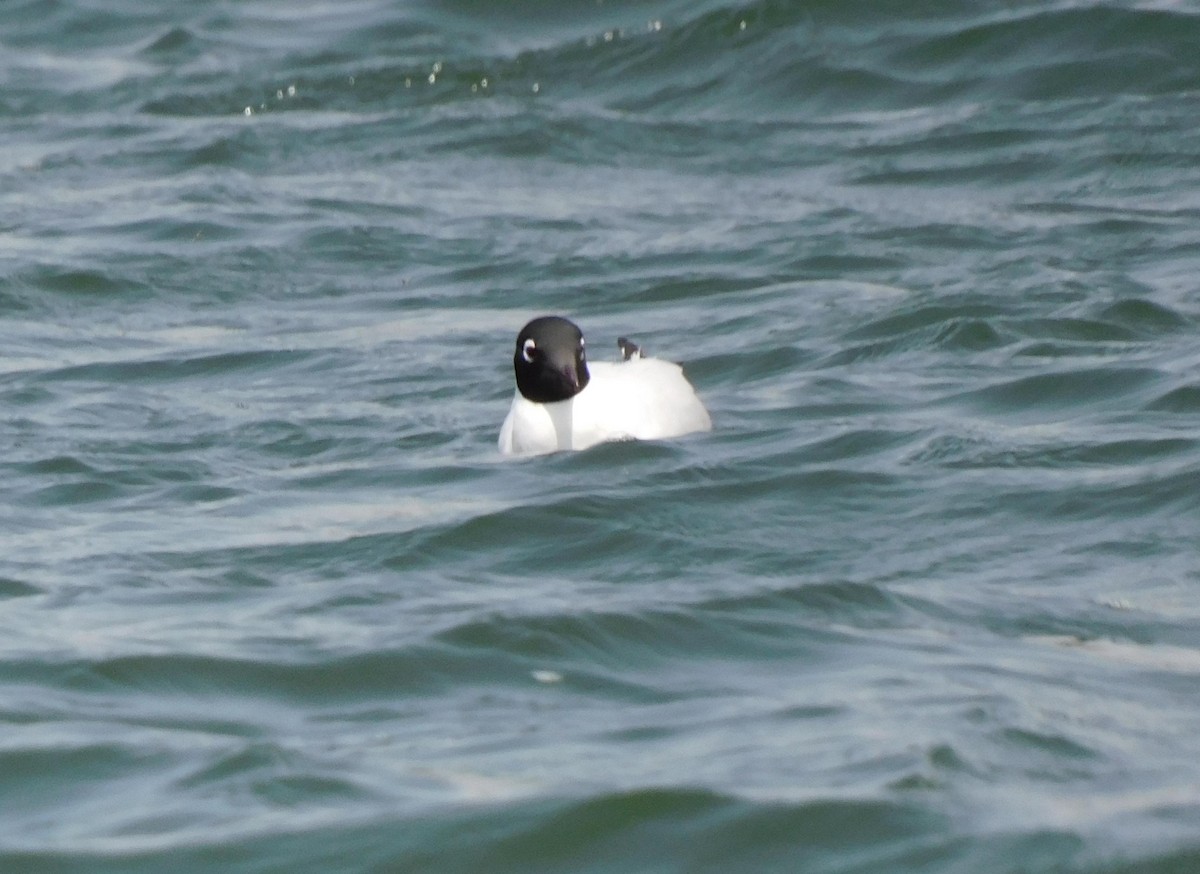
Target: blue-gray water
<point>925,600</point>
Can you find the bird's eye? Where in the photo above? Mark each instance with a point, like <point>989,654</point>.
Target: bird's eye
<point>528,351</point>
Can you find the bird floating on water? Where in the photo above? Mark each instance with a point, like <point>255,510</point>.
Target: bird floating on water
<point>564,402</point>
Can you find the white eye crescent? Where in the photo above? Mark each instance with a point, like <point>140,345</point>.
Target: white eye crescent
<point>528,349</point>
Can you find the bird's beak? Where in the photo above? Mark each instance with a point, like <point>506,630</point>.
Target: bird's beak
<point>571,376</point>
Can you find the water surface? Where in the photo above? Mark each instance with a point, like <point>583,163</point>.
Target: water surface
<point>923,601</point>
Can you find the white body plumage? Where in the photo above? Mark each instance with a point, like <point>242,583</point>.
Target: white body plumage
<point>639,399</point>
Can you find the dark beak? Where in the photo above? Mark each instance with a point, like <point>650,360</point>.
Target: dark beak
<point>571,377</point>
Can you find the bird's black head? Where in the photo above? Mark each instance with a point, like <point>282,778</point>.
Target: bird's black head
<point>550,361</point>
